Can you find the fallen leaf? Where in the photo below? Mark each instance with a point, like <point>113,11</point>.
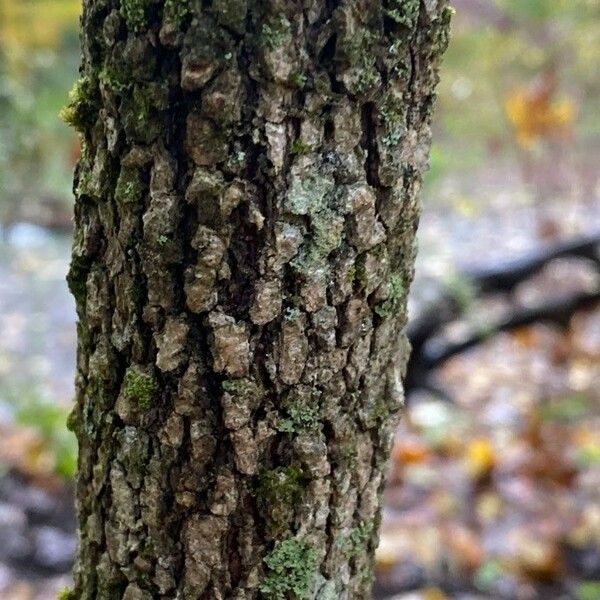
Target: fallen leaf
<point>410,450</point>
<point>480,458</point>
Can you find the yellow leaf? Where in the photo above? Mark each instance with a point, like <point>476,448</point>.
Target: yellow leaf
<point>434,594</point>
<point>480,458</point>
<point>534,115</point>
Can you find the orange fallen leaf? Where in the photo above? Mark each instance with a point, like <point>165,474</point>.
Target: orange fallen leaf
<point>536,557</point>
<point>535,116</point>
<point>465,547</point>
<point>410,450</point>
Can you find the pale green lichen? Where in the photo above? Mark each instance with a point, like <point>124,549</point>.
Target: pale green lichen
<point>328,232</point>
<point>315,197</point>
<point>273,34</point>
<point>140,388</point>
<point>396,293</point>
<point>357,541</point>
<point>347,455</point>
<point>363,59</point>
<point>300,418</point>
<point>377,413</point>
<point>292,313</point>
<point>392,115</point>
<point>308,196</point>
<point>242,388</point>
<point>291,571</point>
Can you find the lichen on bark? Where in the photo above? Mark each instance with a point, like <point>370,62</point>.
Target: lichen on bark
<point>246,204</point>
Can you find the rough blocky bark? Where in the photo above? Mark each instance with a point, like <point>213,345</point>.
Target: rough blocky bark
<point>246,207</point>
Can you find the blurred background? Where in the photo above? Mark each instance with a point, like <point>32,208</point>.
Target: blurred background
<point>494,489</point>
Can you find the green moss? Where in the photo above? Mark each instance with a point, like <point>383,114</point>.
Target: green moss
<point>82,111</point>
<point>396,293</point>
<point>140,388</point>
<point>404,12</point>
<point>141,105</point>
<point>351,274</point>
<point>134,12</point>
<point>291,570</point>
<point>441,31</point>
<point>77,279</point>
<point>176,10</point>
<point>278,493</point>
<point>65,594</point>
<point>130,188</point>
<point>73,420</point>
<point>114,79</point>
<point>300,147</point>
<point>360,275</point>
<point>298,80</point>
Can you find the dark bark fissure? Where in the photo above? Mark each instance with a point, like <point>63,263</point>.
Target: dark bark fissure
<point>246,206</point>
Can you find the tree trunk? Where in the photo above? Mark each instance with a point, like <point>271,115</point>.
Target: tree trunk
<point>247,200</point>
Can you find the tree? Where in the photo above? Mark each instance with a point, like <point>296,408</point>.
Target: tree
<point>246,206</point>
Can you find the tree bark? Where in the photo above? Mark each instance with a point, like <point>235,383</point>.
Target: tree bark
<point>246,207</point>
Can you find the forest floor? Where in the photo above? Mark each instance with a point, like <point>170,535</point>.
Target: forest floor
<point>494,490</point>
